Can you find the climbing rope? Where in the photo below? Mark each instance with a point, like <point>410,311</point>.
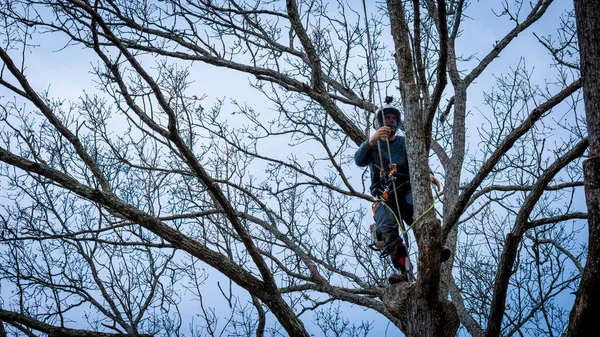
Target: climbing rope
<point>371,67</point>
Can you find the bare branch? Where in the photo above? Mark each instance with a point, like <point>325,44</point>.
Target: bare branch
<point>506,144</point>
<point>514,238</point>
<point>54,331</point>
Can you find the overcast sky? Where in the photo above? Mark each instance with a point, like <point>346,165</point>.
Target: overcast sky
<point>66,73</point>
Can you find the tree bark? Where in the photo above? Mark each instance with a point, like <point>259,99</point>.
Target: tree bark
<point>405,301</point>
<point>420,308</point>
<point>54,331</point>
<point>583,318</point>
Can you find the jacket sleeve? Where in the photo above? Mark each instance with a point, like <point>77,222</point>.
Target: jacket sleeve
<point>362,157</point>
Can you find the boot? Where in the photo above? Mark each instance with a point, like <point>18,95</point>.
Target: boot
<point>397,278</point>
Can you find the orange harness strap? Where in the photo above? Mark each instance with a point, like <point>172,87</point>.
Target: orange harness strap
<point>375,206</point>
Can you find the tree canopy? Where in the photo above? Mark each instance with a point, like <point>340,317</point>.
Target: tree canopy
<point>134,203</point>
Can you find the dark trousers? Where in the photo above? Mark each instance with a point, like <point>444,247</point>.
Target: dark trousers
<point>385,218</point>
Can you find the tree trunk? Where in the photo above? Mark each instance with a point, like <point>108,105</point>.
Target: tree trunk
<point>418,305</point>
<point>583,318</point>
<point>407,302</point>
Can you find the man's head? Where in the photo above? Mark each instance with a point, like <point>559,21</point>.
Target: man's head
<point>390,119</point>
<point>388,116</point>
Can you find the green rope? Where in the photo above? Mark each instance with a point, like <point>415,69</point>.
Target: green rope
<point>399,222</point>
<point>423,214</point>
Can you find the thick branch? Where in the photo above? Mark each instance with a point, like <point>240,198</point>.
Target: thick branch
<point>508,188</point>
<point>51,330</point>
<point>536,12</point>
<point>558,218</point>
<point>317,77</point>
<point>441,67</point>
<point>49,114</point>
<point>186,152</point>
<point>506,145</point>
<point>511,244</point>
<point>180,241</point>
<point>583,320</point>
<point>465,318</point>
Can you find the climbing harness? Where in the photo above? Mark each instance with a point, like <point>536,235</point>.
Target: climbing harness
<point>390,187</point>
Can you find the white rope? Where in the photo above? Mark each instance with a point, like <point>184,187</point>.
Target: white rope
<point>371,67</point>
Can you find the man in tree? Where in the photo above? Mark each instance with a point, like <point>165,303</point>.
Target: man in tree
<point>385,153</point>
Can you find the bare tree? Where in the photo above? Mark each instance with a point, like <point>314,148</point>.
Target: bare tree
<point>588,21</point>
<point>125,203</point>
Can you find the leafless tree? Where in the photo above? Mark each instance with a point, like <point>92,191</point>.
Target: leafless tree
<point>581,321</point>
<point>141,196</point>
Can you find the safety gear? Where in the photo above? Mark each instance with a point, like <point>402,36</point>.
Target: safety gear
<point>388,109</point>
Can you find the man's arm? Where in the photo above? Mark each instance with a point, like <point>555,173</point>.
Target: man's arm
<point>362,157</point>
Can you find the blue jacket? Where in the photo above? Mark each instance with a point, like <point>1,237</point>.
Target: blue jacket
<point>369,155</point>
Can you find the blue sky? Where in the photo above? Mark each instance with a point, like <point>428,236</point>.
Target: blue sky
<point>66,75</point>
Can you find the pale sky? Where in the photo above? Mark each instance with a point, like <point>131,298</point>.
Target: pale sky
<point>66,74</point>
